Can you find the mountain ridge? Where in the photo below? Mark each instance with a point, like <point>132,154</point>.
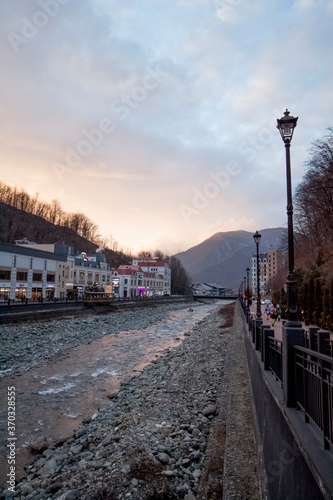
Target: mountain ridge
<point>224,256</point>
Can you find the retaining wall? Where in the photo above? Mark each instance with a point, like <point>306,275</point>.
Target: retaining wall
<point>296,467</point>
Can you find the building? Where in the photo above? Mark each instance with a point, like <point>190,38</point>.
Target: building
<point>274,262</point>
<point>142,278</point>
<point>270,264</point>
<point>28,273</point>
<point>31,271</point>
<point>262,273</point>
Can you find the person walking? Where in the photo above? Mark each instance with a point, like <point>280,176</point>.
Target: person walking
<point>267,311</point>
<point>273,316</point>
<point>278,312</point>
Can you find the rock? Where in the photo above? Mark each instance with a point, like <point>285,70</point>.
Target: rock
<point>70,495</point>
<point>53,488</point>
<point>76,449</point>
<point>163,458</point>
<point>49,468</point>
<point>196,474</point>
<point>195,456</point>
<point>108,439</point>
<point>40,445</point>
<point>209,410</point>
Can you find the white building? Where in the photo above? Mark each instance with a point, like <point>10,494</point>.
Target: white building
<point>142,278</point>
<point>47,271</point>
<point>28,273</point>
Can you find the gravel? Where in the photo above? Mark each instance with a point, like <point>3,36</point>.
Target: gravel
<point>182,429</point>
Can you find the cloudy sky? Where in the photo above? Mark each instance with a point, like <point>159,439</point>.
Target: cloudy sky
<point>157,118</point>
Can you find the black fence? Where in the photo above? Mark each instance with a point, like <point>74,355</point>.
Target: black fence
<point>303,368</point>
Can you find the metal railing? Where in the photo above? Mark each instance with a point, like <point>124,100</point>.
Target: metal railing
<point>311,365</point>
<point>275,362</point>
<point>314,389</point>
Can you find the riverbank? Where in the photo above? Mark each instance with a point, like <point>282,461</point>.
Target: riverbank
<point>47,311</point>
<point>182,429</point>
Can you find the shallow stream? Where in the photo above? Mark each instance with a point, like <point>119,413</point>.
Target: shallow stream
<point>53,399</point>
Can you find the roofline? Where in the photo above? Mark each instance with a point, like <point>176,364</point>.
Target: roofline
<point>31,252</point>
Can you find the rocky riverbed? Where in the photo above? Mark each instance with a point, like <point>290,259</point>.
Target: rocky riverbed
<point>182,429</point>
<point>30,345</point>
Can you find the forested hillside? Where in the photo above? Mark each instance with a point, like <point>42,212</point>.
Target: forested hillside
<point>16,224</point>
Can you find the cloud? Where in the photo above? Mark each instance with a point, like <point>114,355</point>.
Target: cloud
<point>141,102</point>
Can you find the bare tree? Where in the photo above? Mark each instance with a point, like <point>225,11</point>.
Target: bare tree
<point>314,200</point>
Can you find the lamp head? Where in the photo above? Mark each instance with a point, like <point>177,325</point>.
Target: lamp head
<point>257,237</point>
<point>286,126</point>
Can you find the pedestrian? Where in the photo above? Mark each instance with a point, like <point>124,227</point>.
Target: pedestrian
<point>273,316</point>
<point>278,311</point>
<point>267,311</point>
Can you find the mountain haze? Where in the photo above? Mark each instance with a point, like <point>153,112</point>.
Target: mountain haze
<point>224,257</point>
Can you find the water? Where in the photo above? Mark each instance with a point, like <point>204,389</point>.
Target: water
<point>53,399</point>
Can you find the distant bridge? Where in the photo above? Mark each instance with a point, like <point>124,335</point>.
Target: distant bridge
<point>220,297</point>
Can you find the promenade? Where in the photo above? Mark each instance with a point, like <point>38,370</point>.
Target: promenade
<point>278,324</point>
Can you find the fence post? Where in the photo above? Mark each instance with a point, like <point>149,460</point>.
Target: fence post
<point>312,337</point>
<point>322,336</point>
<point>265,355</point>
<point>292,334</point>
<point>257,326</point>
<point>264,328</point>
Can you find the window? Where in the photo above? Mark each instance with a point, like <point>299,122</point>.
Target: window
<point>22,276</point>
<point>4,275</point>
<point>125,281</point>
<point>50,278</point>
<point>37,277</point>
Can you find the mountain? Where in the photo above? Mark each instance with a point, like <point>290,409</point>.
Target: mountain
<point>16,224</point>
<point>224,257</point>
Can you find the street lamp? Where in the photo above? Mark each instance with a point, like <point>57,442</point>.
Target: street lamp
<point>256,238</point>
<point>286,126</point>
<point>248,287</point>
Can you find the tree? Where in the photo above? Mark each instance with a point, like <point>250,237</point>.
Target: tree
<point>180,279</point>
<point>314,201</point>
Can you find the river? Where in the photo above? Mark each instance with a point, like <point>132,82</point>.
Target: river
<point>54,398</point>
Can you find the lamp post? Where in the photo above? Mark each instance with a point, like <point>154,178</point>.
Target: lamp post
<point>286,126</point>
<point>256,238</point>
<point>248,287</point>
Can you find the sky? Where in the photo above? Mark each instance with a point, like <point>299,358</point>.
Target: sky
<point>157,119</point>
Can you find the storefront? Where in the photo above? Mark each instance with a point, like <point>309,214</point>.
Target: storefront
<point>21,292</point>
<point>50,290</point>
<point>4,293</point>
<point>36,293</point>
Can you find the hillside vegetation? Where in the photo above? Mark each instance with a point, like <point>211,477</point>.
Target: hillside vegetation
<point>16,224</point>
